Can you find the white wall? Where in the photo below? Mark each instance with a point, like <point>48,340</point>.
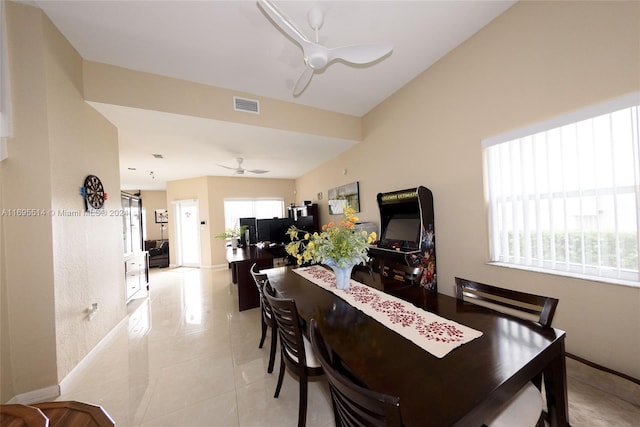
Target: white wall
<point>152,200</point>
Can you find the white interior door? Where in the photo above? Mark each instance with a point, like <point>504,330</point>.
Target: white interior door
<point>187,222</point>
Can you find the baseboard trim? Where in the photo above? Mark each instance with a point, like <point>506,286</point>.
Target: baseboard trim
<point>89,357</point>
<point>214,266</point>
<point>35,396</point>
<point>202,266</point>
<point>52,392</point>
<point>603,368</point>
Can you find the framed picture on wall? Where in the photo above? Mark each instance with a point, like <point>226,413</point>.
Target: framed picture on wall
<point>162,216</point>
<point>340,197</point>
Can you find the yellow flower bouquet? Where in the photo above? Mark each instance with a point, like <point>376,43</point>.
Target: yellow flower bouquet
<point>337,245</point>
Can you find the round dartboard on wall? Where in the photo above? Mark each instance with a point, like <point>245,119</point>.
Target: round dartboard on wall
<point>94,193</point>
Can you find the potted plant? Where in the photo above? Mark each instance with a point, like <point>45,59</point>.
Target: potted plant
<point>233,234</point>
<point>339,246</point>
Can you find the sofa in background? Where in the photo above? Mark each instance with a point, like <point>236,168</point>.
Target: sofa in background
<point>158,252</point>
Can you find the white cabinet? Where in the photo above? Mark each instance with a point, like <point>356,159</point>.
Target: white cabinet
<point>136,262</point>
<point>136,273</point>
<point>131,223</point>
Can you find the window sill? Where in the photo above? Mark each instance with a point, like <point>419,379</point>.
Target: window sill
<point>606,280</point>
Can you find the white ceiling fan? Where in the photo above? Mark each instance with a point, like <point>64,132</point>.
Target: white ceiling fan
<point>239,170</point>
<point>316,56</point>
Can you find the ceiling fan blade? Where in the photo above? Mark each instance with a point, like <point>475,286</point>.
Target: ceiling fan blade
<point>362,53</point>
<point>303,81</point>
<point>227,167</point>
<point>282,21</point>
<point>256,170</point>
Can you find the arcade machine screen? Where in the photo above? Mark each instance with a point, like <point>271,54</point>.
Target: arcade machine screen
<point>402,231</point>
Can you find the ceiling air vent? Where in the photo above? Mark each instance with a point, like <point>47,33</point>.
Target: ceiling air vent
<point>246,105</point>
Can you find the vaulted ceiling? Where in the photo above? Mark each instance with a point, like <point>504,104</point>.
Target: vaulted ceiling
<point>234,45</point>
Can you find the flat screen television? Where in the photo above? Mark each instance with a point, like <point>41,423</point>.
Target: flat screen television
<point>305,223</point>
<point>402,230</point>
<point>263,230</point>
<point>279,228</point>
<point>274,230</point>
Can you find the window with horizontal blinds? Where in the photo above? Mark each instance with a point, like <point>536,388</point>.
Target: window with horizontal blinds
<point>563,195</point>
<point>234,209</point>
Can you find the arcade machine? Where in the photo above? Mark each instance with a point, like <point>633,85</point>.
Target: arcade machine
<point>407,233</point>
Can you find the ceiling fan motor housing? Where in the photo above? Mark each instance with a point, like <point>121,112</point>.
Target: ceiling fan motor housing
<point>316,60</point>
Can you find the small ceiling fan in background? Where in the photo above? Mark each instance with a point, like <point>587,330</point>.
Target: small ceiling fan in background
<point>316,56</point>
<point>239,170</point>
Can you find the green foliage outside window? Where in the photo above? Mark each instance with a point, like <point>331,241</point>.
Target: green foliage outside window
<point>628,248</point>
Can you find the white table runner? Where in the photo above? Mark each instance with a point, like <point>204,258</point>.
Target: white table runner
<point>432,333</point>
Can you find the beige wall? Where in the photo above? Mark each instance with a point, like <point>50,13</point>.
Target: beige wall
<point>6,369</point>
<point>152,200</point>
<point>190,189</point>
<point>221,188</point>
<point>50,273</point>
<point>211,192</point>
<point>29,305</point>
<point>537,60</point>
<point>119,86</point>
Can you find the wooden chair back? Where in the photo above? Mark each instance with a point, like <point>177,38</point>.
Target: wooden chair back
<point>17,415</point>
<point>542,307</point>
<point>267,321</point>
<point>258,278</point>
<point>354,405</point>
<point>75,414</point>
<point>55,414</point>
<point>261,281</point>
<point>294,353</point>
<point>286,315</point>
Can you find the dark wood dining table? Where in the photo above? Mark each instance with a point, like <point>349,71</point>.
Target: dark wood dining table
<point>461,388</point>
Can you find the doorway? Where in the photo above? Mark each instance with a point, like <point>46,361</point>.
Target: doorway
<point>187,223</point>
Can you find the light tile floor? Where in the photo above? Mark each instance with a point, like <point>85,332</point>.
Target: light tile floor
<point>187,357</point>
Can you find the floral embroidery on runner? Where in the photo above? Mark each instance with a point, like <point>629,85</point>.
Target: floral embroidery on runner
<point>431,332</point>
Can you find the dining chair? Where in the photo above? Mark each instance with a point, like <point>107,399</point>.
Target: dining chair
<point>75,414</point>
<point>525,408</point>
<point>354,405</point>
<point>55,414</point>
<point>17,415</point>
<point>266,315</point>
<point>295,350</point>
